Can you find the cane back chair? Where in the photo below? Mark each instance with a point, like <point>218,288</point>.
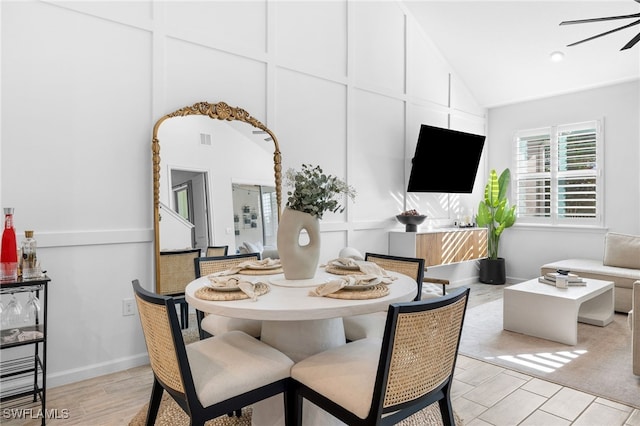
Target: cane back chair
<point>212,324</point>
<point>202,377</point>
<point>381,382</point>
<point>367,325</point>
<point>176,271</point>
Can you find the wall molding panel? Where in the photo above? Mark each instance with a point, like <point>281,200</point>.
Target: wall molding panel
<point>336,91</point>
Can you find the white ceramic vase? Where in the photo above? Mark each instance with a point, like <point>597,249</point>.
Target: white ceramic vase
<point>299,262</point>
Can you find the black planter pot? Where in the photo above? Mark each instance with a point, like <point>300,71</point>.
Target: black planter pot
<point>492,271</point>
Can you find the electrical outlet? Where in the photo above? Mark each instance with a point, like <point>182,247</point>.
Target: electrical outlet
<point>128,307</point>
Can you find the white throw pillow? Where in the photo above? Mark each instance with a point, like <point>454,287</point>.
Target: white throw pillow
<point>253,247</point>
<point>622,250</point>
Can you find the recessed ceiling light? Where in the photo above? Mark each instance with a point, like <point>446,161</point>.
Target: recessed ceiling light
<point>556,56</point>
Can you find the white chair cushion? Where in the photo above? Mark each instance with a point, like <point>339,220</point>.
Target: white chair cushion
<point>234,363</point>
<point>217,324</point>
<point>345,374</point>
<point>430,290</point>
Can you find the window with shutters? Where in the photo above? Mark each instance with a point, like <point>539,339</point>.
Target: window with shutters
<point>558,175</point>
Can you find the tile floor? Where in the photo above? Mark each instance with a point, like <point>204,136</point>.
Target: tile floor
<point>485,394</point>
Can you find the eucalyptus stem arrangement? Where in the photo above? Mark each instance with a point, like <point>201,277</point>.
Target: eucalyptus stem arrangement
<point>315,192</point>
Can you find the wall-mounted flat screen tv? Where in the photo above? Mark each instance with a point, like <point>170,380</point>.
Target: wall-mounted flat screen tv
<point>445,161</point>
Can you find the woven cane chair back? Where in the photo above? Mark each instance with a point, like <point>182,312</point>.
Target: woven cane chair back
<point>410,266</point>
<point>217,251</point>
<point>208,265</point>
<point>423,353</point>
<point>264,370</point>
<point>158,335</point>
<point>176,271</point>
<point>414,367</point>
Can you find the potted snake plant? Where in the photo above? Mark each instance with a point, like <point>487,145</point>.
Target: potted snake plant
<point>496,214</point>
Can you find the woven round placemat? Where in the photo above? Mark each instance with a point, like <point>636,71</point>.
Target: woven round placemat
<point>207,293</point>
<point>340,271</point>
<point>375,292</point>
<point>261,271</point>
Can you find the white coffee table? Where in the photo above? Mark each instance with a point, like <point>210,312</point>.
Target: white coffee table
<point>551,313</point>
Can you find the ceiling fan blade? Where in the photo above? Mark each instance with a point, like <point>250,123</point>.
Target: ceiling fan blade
<point>605,33</point>
<point>608,18</point>
<point>633,41</point>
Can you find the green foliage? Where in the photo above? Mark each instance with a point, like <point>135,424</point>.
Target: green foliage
<point>494,211</point>
<point>315,192</point>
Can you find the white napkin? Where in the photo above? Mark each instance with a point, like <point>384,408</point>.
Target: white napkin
<point>343,262</point>
<point>371,268</point>
<point>266,263</point>
<point>232,282</point>
<point>348,280</point>
<point>368,268</point>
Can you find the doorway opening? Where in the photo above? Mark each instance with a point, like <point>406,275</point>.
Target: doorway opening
<point>255,214</point>
<point>191,202</point>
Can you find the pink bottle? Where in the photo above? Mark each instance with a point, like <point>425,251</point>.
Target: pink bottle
<point>9,249</point>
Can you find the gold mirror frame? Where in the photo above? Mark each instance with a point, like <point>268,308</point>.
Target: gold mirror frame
<point>219,111</point>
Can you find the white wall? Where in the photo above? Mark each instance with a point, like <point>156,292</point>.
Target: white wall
<point>526,248</point>
<point>342,84</point>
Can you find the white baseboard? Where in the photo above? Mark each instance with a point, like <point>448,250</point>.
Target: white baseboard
<point>95,370</point>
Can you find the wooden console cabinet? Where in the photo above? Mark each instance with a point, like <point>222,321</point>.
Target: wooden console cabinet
<point>440,246</point>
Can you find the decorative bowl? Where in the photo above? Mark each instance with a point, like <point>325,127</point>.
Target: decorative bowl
<point>410,222</point>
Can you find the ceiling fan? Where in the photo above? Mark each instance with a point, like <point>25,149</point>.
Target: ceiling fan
<point>631,42</point>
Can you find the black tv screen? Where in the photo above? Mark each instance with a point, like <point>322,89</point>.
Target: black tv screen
<point>445,161</point>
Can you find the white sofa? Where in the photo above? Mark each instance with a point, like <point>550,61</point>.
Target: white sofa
<point>257,247</point>
<point>620,264</point>
<point>634,324</point>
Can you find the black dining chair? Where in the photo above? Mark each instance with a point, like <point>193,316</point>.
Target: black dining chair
<point>212,324</point>
<point>176,271</point>
<point>367,325</point>
<point>203,377</point>
<point>381,382</point>
<point>217,251</point>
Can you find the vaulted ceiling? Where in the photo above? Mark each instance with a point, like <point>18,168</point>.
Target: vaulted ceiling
<point>501,49</point>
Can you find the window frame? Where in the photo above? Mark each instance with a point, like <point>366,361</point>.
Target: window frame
<point>554,174</point>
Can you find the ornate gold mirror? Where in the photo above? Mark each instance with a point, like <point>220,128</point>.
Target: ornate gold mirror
<point>214,159</point>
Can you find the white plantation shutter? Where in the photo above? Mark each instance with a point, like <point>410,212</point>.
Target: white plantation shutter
<point>577,172</point>
<point>558,175</point>
<point>533,174</point>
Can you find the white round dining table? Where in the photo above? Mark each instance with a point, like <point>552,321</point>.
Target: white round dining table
<point>299,325</point>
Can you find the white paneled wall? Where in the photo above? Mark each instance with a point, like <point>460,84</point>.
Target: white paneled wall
<point>312,36</point>
<point>379,60</point>
<point>377,155</point>
<point>344,85</point>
